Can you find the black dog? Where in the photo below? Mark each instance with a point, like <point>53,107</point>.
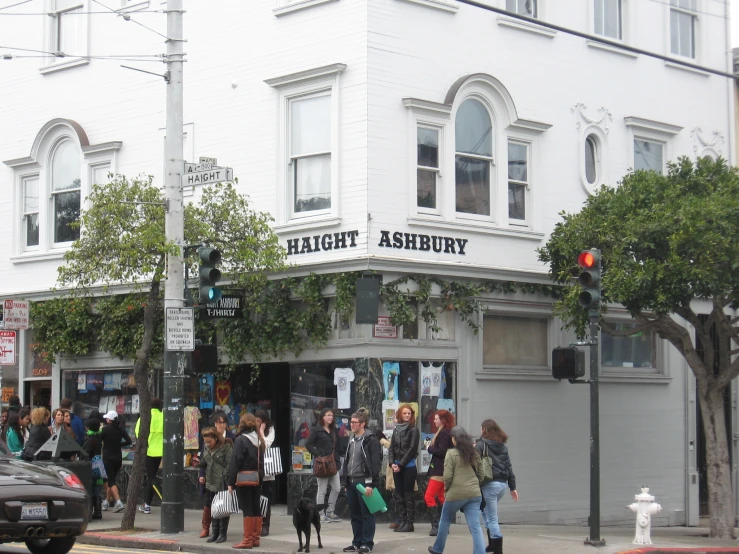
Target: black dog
<point>306,513</point>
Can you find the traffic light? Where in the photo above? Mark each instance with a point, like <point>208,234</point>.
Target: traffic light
<point>589,279</point>
<point>209,274</point>
<point>568,363</point>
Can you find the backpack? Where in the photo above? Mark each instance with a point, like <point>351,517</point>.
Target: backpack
<point>487,466</point>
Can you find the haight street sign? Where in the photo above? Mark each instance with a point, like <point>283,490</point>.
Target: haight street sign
<point>229,307</point>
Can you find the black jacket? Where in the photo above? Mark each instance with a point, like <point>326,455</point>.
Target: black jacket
<point>113,439</point>
<point>321,443</point>
<point>372,459</point>
<point>93,445</point>
<point>404,446</point>
<point>245,457</point>
<point>37,436</point>
<point>438,453</point>
<point>502,469</point>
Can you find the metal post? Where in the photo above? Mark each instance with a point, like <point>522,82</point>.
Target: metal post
<point>594,539</point>
<point>173,506</point>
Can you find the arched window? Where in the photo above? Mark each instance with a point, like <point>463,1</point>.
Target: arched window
<point>65,190</point>
<point>591,159</point>
<point>473,158</point>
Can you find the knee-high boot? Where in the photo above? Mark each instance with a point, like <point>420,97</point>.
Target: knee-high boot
<point>215,529</point>
<point>246,541</point>
<point>205,522</point>
<point>400,507</point>
<point>435,514</point>
<point>497,545</point>
<point>223,530</point>
<point>410,515</point>
<point>265,521</point>
<point>257,530</point>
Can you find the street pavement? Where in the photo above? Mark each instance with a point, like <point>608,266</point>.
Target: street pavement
<point>20,548</point>
<point>518,539</point>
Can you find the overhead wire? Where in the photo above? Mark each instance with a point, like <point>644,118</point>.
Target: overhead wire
<point>128,18</point>
<point>14,5</point>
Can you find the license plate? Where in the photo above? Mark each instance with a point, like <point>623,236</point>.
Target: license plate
<point>34,511</point>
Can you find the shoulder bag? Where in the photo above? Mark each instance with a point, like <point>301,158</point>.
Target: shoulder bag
<point>487,467</point>
<point>248,477</point>
<point>325,466</point>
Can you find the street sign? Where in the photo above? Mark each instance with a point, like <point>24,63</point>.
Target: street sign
<point>15,314</point>
<point>205,160</point>
<point>206,176</point>
<point>7,347</point>
<point>180,330</point>
<point>229,307</point>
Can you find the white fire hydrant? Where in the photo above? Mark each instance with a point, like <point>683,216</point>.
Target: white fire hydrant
<point>644,507</point>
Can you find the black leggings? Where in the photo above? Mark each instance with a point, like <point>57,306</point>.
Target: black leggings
<point>152,466</point>
<point>405,481</point>
<point>249,500</point>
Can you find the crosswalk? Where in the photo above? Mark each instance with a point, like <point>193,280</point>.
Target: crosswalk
<point>19,547</point>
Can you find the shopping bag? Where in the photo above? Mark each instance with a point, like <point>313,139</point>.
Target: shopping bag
<point>263,505</point>
<point>224,504</point>
<point>272,461</point>
<point>98,468</point>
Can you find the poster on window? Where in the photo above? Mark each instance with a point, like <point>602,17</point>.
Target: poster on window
<point>425,461</point>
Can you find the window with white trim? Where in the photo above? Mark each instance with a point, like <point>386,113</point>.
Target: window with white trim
<point>515,341</point>
<point>592,159</point>
<point>518,181</point>
<point>30,225</point>
<point>473,158</point>
<point>635,353</point>
<point>522,7</point>
<point>65,191</point>
<point>427,169</point>
<point>68,35</point>
<point>608,18</point>
<point>309,165</point>
<point>648,155</point>
<point>683,23</point>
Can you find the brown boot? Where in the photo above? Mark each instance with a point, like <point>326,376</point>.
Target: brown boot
<point>246,542</point>
<point>206,522</point>
<point>257,530</point>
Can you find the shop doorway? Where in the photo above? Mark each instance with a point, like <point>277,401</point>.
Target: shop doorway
<point>38,394</point>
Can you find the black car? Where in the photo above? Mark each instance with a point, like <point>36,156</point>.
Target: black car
<point>46,506</point>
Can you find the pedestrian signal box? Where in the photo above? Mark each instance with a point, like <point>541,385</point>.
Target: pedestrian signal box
<point>568,363</point>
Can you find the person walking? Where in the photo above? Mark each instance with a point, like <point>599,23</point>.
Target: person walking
<point>463,475</point>
<point>266,430</point>
<point>12,434</point>
<point>492,444</point>
<point>93,446</point>
<point>216,461</point>
<point>38,434</point>
<point>248,456</point>
<point>402,461</point>
<point>154,451</point>
<point>362,466</point>
<point>322,442</point>
<point>114,438</point>
<point>440,444</point>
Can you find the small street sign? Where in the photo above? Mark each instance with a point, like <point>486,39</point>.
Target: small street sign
<point>228,307</point>
<point>206,176</point>
<point>205,160</point>
<point>15,314</point>
<point>7,347</point>
<point>384,329</point>
<point>180,329</point>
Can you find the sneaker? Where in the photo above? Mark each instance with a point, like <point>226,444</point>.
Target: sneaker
<point>325,519</point>
<point>365,549</point>
<point>145,509</point>
<point>351,548</point>
<point>104,505</point>
<point>119,507</point>
<point>332,518</point>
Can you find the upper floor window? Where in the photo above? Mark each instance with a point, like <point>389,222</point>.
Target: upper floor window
<point>473,158</point>
<point>30,233</point>
<point>522,7</point>
<point>683,21</point>
<point>65,191</point>
<point>648,155</point>
<point>427,171</point>
<point>518,181</point>
<point>608,18</point>
<point>310,153</point>
<point>68,35</point>
<point>592,156</point>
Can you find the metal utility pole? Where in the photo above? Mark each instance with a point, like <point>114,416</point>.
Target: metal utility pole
<point>173,507</point>
<point>594,539</point>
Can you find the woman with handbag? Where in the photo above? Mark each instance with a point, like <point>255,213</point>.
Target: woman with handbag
<point>267,434</point>
<point>492,446</point>
<point>402,461</point>
<point>440,443</point>
<point>245,474</point>
<point>321,444</point>
<point>216,461</point>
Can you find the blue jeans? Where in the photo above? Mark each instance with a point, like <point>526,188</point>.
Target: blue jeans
<point>493,492</point>
<point>363,522</point>
<point>471,507</point>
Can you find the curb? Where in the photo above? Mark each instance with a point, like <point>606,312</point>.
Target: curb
<point>651,550</point>
<point>118,541</point>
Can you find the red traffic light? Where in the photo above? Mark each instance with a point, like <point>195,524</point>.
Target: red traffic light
<point>586,259</point>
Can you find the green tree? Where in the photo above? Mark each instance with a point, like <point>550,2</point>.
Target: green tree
<point>123,244</point>
<point>670,250</point>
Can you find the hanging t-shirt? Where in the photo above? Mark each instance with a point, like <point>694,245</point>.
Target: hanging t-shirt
<point>431,378</point>
<point>390,374</point>
<point>342,377</point>
<point>192,415</point>
<point>82,382</point>
<point>108,382</point>
<point>135,404</point>
<point>206,392</point>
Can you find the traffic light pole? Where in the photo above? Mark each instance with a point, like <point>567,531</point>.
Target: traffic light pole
<point>594,539</point>
<point>173,506</point>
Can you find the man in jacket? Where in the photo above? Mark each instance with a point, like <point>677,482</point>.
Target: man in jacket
<point>154,451</point>
<point>361,466</point>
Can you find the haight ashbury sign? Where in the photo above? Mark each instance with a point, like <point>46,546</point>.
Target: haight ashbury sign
<point>400,240</point>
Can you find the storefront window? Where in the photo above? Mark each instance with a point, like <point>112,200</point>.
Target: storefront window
<point>103,391</point>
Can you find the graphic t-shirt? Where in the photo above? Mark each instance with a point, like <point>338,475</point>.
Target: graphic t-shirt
<point>431,378</point>
<point>390,375</point>
<point>206,392</point>
<point>192,415</point>
<point>342,377</point>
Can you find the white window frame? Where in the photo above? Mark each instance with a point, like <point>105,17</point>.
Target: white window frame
<point>438,175</point>
<point>51,35</point>
<point>601,31</point>
<point>601,157</point>
<point>695,27</point>
<point>657,346</point>
<point>320,80</point>
<point>133,5</point>
<point>640,128</point>
<point>536,14</point>
<point>24,179</point>
<point>283,7</point>
<point>54,193</point>
<point>528,144</point>
<point>661,143</point>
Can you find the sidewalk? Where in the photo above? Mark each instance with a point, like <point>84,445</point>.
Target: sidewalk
<point>519,539</point>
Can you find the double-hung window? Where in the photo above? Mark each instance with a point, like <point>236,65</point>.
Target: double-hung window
<point>683,23</point>
<point>427,171</point>
<point>65,191</point>
<point>522,7</point>
<point>648,155</point>
<point>473,158</point>
<point>30,238</point>
<point>68,32</point>
<point>518,181</point>
<point>607,18</point>
<point>310,154</point>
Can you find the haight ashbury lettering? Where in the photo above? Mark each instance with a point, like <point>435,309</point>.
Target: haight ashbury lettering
<point>424,243</point>
<point>322,243</point>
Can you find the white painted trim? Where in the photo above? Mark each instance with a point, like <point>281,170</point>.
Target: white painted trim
<point>612,49</point>
<point>442,5</point>
<point>307,75</point>
<point>302,225</point>
<point>297,6</point>
<point>640,124</point>
<point>480,228</point>
<point>528,126</point>
<point>687,69</point>
<point>52,68</point>
<point>435,108</point>
<point>526,26</point>
<point>133,7</point>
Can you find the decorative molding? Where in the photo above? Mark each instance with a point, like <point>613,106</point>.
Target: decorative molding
<point>302,225</point>
<point>27,162</point>
<point>651,126</point>
<point>613,49</point>
<point>418,105</point>
<point>526,26</point>
<point>299,5</point>
<point>66,64</point>
<point>102,148</point>
<point>306,75</point>
<point>716,142</point>
<point>687,69</point>
<point>529,126</point>
<point>602,121</point>
<point>445,6</point>
<point>37,256</point>
<point>480,228</point>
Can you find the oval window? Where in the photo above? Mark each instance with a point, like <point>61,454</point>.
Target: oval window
<point>591,157</point>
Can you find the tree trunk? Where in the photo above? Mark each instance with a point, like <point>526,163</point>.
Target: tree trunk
<point>141,374</point>
<point>720,503</point>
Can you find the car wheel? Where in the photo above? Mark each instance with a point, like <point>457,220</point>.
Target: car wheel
<point>57,545</point>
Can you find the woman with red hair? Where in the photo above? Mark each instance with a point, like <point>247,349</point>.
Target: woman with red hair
<point>402,455</point>
<point>440,443</point>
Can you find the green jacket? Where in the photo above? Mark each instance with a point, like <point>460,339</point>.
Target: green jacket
<point>217,464</point>
<point>156,434</point>
<point>15,444</point>
<point>461,481</point>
